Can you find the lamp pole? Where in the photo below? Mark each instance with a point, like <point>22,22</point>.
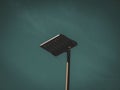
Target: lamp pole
<point>68,70</point>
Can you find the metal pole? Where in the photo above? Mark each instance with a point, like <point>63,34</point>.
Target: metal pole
<point>68,71</point>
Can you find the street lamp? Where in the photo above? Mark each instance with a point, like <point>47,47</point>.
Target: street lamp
<point>58,45</point>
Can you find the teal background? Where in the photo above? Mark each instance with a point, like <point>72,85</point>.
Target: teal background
<point>25,24</point>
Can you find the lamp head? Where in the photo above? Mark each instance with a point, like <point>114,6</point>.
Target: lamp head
<point>58,44</point>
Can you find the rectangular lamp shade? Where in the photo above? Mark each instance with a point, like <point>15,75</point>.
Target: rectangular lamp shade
<point>58,44</point>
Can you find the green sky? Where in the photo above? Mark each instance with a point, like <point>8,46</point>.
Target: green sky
<point>25,24</point>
